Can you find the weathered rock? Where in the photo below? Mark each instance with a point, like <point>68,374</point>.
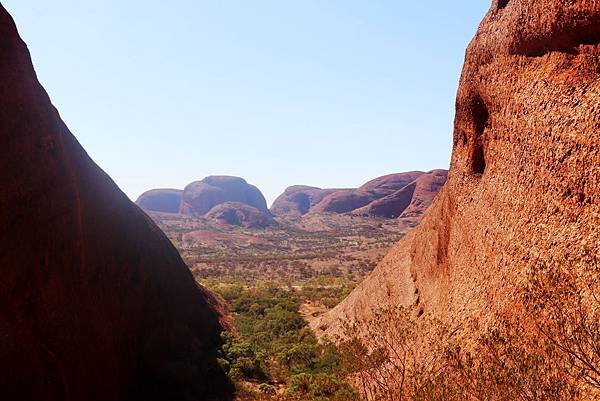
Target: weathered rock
<point>201,196</point>
<point>239,214</point>
<point>297,200</point>
<point>161,200</point>
<point>95,302</point>
<point>524,184</point>
<point>344,201</point>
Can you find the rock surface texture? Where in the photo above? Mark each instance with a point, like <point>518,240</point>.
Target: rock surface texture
<point>201,196</point>
<point>524,183</point>
<point>161,200</point>
<point>95,302</point>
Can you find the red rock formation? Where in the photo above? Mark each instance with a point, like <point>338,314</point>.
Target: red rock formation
<point>344,201</point>
<point>161,200</point>
<point>239,214</point>
<point>95,302</point>
<point>524,184</point>
<point>390,206</point>
<point>410,201</point>
<point>298,200</point>
<point>201,196</point>
<point>427,187</point>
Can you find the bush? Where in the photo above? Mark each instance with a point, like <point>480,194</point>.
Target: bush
<point>266,389</point>
<point>321,386</point>
<point>549,351</point>
<point>274,344</point>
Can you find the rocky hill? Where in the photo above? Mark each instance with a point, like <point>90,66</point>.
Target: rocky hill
<point>239,214</point>
<point>524,183</point>
<point>387,197</point>
<point>96,304</point>
<point>344,201</point>
<point>161,200</point>
<point>201,196</point>
<point>411,200</point>
<point>222,199</point>
<point>232,201</point>
<point>298,200</point>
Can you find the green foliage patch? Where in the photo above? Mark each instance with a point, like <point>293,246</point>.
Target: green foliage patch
<point>273,348</point>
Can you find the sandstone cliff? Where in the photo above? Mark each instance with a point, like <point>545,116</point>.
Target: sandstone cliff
<point>524,183</point>
<point>95,303</point>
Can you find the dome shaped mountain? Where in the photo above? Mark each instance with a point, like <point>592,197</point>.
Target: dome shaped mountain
<point>394,195</point>
<point>298,200</point>
<point>200,197</point>
<point>161,200</point>
<point>239,214</point>
<point>348,200</point>
<point>410,201</point>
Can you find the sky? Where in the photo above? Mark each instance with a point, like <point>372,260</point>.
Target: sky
<point>329,93</point>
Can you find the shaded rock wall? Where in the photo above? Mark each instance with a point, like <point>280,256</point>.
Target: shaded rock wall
<point>95,302</point>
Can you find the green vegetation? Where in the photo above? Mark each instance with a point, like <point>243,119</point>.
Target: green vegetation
<point>274,354</point>
<point>291,250</point>
<point>328,290</point>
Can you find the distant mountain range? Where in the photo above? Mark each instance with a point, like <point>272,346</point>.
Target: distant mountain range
<point>233,201</point>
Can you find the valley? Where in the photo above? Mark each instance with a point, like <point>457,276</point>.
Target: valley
<point>287,251</point>
<point>280,269</point>
<point>477,283</point>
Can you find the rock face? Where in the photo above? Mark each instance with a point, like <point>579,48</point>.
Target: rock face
<point>298,200</point>
<point>239,214</point>
<point>344,201</point>
<point>201,196</point>
<point>161,200</point>
<point>524,183</point>
<point>410,201</point>
<point>427,187</point>
<point>95,303</point>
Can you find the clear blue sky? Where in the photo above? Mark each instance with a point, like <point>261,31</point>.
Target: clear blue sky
<point>321,92</point>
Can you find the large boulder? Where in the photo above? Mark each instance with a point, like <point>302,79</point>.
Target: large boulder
<point>95,302</point>
<point>161,200</point>
<point>524,183</point>
<point>298,200</point>
<point>201,196</point>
